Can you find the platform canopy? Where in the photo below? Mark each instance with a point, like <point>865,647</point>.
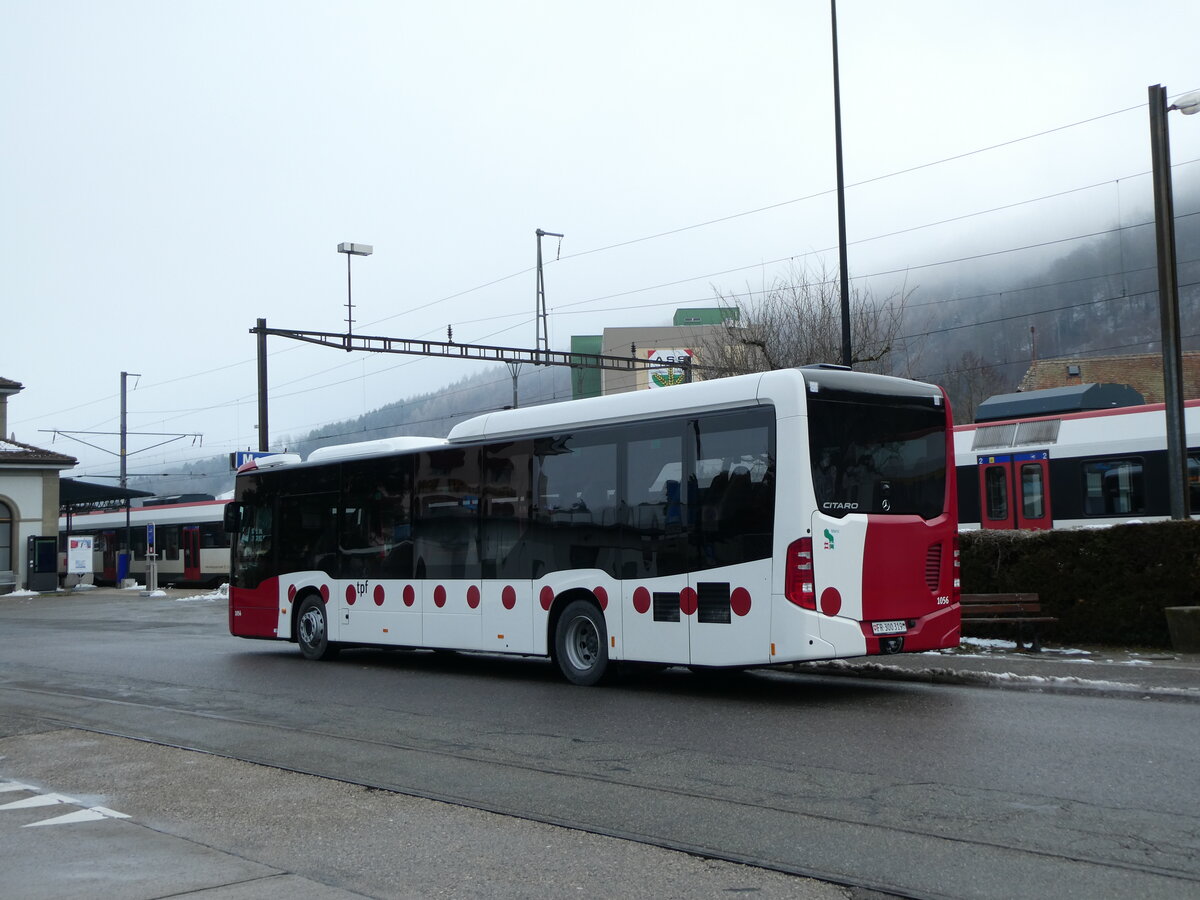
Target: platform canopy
<point>82,493</point>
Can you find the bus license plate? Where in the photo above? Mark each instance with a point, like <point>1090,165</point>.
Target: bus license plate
<point>889,627</point>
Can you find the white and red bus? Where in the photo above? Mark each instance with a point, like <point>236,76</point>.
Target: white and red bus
<point>749,521</point>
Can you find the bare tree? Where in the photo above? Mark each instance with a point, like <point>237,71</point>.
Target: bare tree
<point>969,383</point>
<point>797,320</point>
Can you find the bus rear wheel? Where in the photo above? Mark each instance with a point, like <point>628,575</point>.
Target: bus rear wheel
<point>312,629</point>
<point>581,643</point>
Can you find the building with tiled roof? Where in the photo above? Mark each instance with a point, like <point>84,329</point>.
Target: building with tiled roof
<point>28,495</point>
<point>1142,372</point>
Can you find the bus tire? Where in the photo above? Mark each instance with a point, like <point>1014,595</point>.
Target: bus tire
<point>312,629</point>
<point>581,643</point>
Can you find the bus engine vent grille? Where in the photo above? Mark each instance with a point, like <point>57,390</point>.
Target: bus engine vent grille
<point>933,567</point>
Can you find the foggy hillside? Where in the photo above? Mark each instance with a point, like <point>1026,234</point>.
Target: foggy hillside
<point>427,415</point>
<point>1099,298</point>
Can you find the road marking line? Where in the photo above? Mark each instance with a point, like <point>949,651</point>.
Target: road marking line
<point>41,800</point>
<point>91,814</point>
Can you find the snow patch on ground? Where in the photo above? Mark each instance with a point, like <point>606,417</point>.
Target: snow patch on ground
<point>221,594</point>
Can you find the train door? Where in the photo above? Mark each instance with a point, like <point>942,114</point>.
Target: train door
<point>109,556</point>
<point>191,552</point>
<point>1014,490</point>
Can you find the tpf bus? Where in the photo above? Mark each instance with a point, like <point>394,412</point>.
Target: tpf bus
<point>763,519</point>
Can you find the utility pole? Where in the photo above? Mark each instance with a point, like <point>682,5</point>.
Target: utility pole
<point>1168,303</point>
<point>263,439</point>
<point>542,328</point>
<point>124,431</point>
<point>844,266</point>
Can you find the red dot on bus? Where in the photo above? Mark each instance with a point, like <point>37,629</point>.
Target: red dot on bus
<point>291,592</point>
<point>351,595</point>
<point>379,595</point>
<point>831,601</point>
<point>546,597</point>
<point>324,593</point>
<point>602,597</point>
<point>410,595</point>
<point>641,600</point>
<point>739,602</point>
<point>687,601</point>
<point>508,596</point>
<point>439,596</point>
<point>473,597</point>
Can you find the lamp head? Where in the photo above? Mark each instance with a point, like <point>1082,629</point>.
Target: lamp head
<point>1188,104</point>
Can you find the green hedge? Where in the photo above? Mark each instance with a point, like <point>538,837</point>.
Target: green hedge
<point>1106,585</point>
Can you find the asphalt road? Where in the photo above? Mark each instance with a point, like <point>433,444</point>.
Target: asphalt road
<point>913,789</point>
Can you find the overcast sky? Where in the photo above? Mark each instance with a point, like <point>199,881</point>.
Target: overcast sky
<point>172,171</point>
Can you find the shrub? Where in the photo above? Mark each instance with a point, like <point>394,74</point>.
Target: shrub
<point>1105,585</point>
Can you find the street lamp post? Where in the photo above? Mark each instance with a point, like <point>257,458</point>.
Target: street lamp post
<point>1168,293</point>
<point>350,250</point>
<point>843,264</point>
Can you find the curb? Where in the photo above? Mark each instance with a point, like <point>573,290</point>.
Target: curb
<point>1048,684</point>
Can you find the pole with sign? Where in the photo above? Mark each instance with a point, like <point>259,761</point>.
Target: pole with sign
<point>151,560</point>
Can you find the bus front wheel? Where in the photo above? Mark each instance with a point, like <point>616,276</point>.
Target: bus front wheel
<point>581,643</point>
<point>312,629</point>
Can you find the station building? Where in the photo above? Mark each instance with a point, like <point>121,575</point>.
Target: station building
<point>29,496</point>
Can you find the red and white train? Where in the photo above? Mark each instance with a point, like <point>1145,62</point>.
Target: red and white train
<point>1097,467</point>
<point>189,537</point>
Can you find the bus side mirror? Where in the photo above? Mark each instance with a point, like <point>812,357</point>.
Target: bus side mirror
<point>233,517</point>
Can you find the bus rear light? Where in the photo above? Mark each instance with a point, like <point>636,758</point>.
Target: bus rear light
<point>798,584</point>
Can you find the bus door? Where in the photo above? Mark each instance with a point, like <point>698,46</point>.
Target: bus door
<point>191,552</point>
<point>1014,490</point>
<point>109,555</point>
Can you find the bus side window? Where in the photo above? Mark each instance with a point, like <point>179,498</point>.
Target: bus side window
<point>575,520</point>
<point>736,488</point>
<point>658,542</point>
<point>504,547</point>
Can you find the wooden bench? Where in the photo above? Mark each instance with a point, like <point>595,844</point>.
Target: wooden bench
<point>1022,610</point>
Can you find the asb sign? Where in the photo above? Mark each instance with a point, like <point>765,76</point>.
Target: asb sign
<point>672,371</point>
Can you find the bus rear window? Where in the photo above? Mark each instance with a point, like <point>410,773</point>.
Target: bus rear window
<point>877,454</point>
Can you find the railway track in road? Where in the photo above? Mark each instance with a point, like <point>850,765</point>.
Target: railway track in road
<point>844,827</point>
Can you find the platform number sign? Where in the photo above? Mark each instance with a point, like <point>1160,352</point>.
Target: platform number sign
<point>150,537</point>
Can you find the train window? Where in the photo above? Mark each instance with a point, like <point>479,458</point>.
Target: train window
<point>1113,487</point>
<point>995,483</point>
<point>1193,477</point>
<point>1033,494</point>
